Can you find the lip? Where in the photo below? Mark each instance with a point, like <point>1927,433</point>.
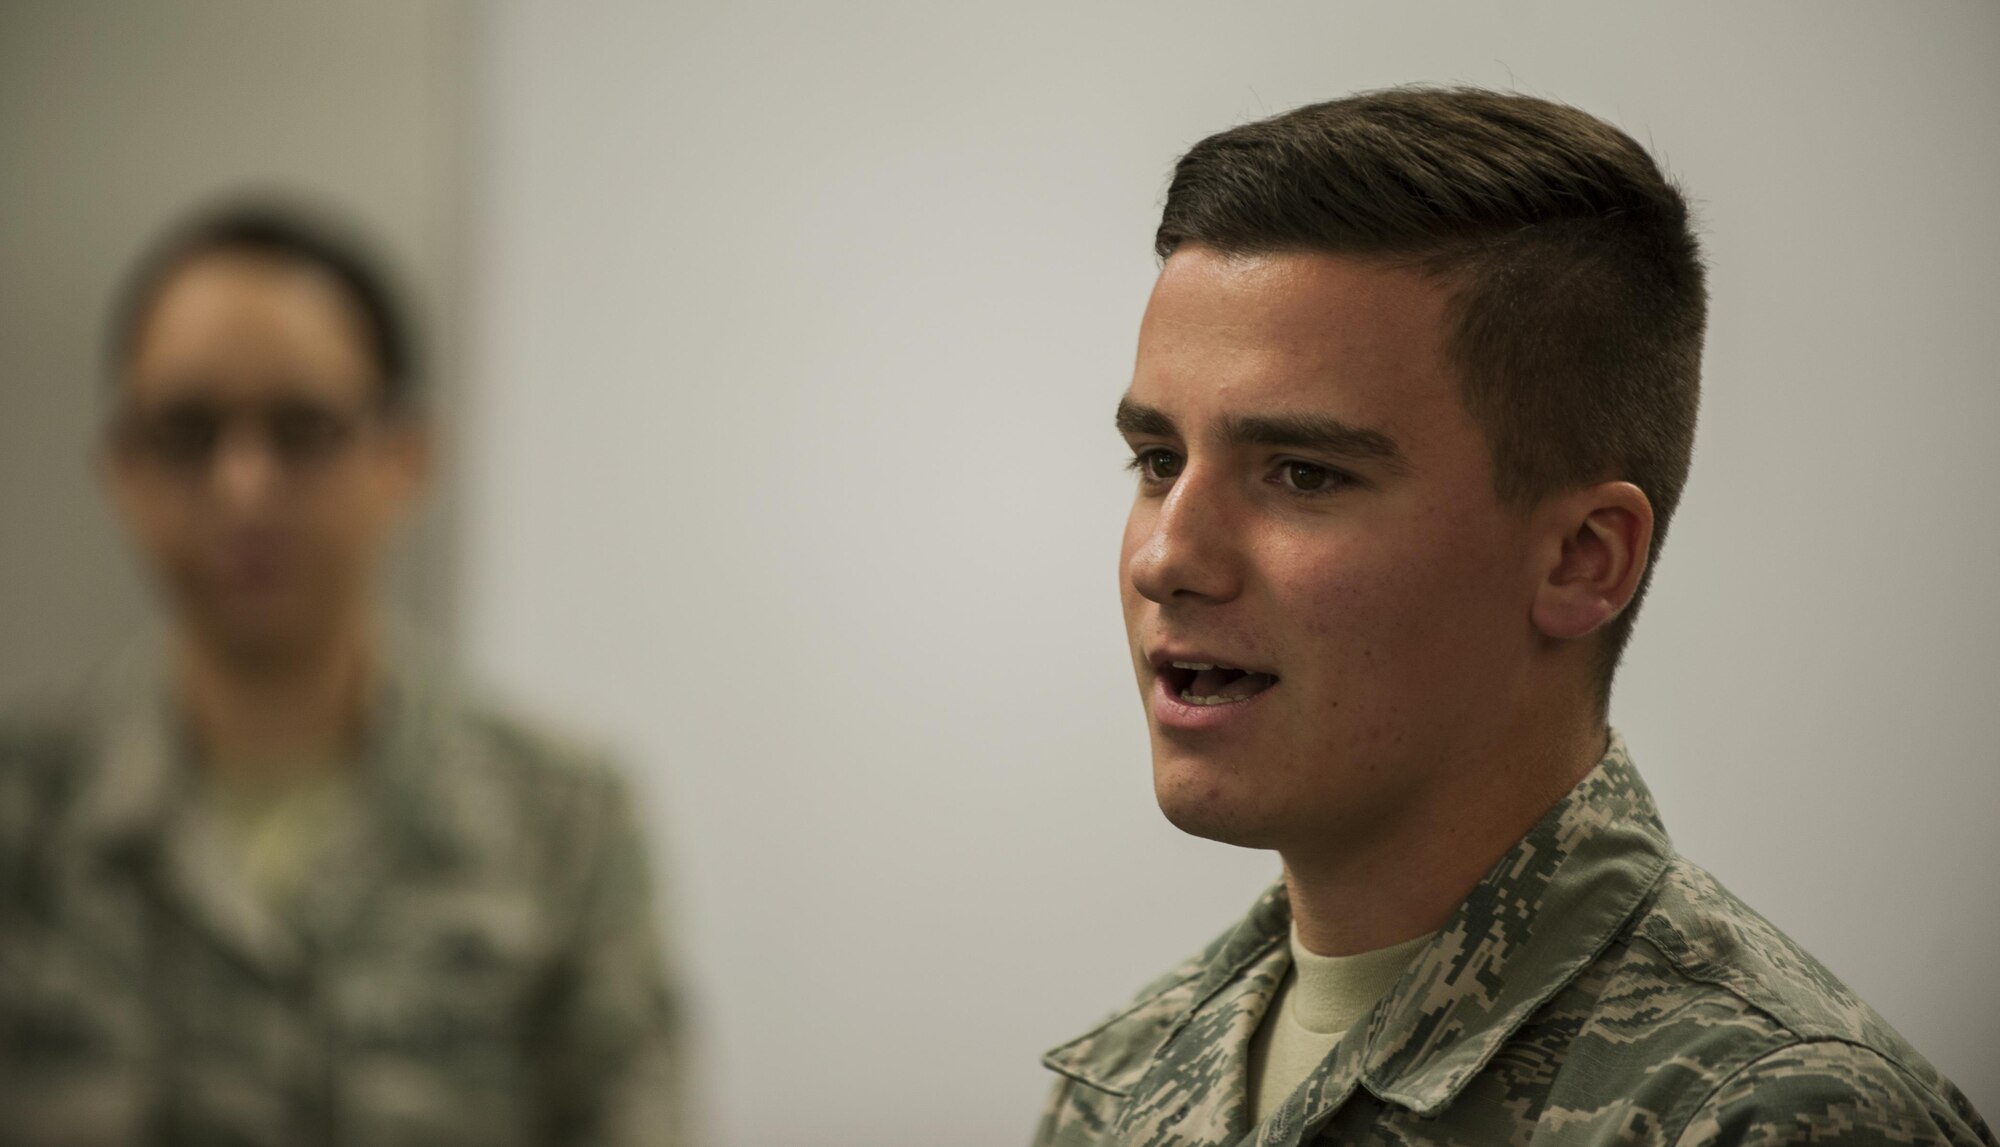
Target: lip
<point>1162,656</point>
<point>1172,713</point>
<point>251,564</point>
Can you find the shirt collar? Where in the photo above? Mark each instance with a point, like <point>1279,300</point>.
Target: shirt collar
<point>139,760</point>
<point>1537,919</point>
<point>132,764</point>
<point>1541,915</point>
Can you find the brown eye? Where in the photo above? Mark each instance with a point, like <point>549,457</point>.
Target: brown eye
<point>1307,478</point>
<point>180,437</point>
<point>1158,465</point>
<point>302,432</point>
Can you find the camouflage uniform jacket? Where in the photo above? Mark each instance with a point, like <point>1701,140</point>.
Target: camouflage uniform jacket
<point>1594,989</point>
<point>475,963</point>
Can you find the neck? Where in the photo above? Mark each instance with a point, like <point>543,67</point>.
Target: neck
<point>1407,880</point>
<point>258,709</point>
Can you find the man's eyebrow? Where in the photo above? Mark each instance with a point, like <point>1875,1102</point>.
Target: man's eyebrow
<point>1318,432</point>
<point>1135,419</point>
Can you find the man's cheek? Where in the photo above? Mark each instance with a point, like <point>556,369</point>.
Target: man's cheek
<point>1349,604</point>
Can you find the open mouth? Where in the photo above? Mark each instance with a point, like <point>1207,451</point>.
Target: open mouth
<point>1200,683</point>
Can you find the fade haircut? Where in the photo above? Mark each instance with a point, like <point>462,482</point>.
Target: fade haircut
<point>1577,295</point>
<point>288,233</point>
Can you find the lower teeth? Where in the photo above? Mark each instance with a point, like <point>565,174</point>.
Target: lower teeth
<point>1214,700</point>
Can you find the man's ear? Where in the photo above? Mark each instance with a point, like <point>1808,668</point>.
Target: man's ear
<point>1596,543</point>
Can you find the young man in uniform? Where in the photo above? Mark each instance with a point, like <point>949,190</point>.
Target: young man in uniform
<point>270,880</point>
<point>1413,405</point>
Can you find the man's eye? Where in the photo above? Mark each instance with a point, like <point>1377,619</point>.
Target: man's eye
<point>1308,478</point>
<point>180,436</point>
<point>1157,465</point>
<point>304,431</point>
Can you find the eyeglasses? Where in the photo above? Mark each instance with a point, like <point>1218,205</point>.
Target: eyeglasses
<point>183,437</point>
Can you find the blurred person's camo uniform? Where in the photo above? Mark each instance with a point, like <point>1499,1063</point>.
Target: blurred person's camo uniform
<point>474,960</point>
<point>1595,989</point>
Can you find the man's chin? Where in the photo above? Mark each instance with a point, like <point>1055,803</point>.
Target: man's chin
<point>1204,808</point>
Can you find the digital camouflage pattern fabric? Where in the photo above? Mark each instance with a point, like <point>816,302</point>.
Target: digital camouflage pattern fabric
<point>475,964</point>
<point>1594,989</point>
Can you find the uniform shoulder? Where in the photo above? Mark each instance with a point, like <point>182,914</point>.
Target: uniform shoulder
<point>1829,1091</point>
<point>35,728</point>
<point>563,778</point>
<point>500,790</point>
<point>534,743</point>
<point>56,716</point>
<point>1742,963</point>
<point>1117,1051</point>
<point>47,764</point>
<point>531,778</point>
<point>45,740</point>
<point>1709,935</point>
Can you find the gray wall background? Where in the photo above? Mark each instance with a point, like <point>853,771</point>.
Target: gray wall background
<point>792,338</point>
<point>799,329</point>
<point>117,116</point>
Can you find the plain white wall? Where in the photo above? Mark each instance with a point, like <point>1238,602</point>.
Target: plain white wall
<point>798,331</point>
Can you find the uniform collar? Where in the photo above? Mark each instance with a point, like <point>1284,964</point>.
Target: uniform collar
<point>1541,915</point>
<point>132,806</point>
<point>134,758</point>
<point>1537,919</point>
<point>139,755</point>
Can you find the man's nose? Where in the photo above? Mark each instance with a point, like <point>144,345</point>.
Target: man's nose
<point>1193,549</point>
<point>245,472</point>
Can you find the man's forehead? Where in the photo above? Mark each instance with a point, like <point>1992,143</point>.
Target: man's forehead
<point>1233,336</point>
<point>1293,299</point>
<point>222,318</point>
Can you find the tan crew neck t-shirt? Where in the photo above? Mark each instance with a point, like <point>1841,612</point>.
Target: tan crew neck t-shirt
<point>1321,998</point>
<point>282,820</point>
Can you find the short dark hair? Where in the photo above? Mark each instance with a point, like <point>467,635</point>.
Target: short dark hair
<point>286,233</point>
<point>1577,281</point>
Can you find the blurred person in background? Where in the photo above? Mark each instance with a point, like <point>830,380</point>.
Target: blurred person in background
<point>271,878</point>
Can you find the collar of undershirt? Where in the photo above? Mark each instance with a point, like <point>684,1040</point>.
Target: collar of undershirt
<point>1540,916</point>
<point>1328,993</point>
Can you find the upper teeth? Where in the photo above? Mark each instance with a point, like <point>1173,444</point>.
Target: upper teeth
<point>1192,665</point>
